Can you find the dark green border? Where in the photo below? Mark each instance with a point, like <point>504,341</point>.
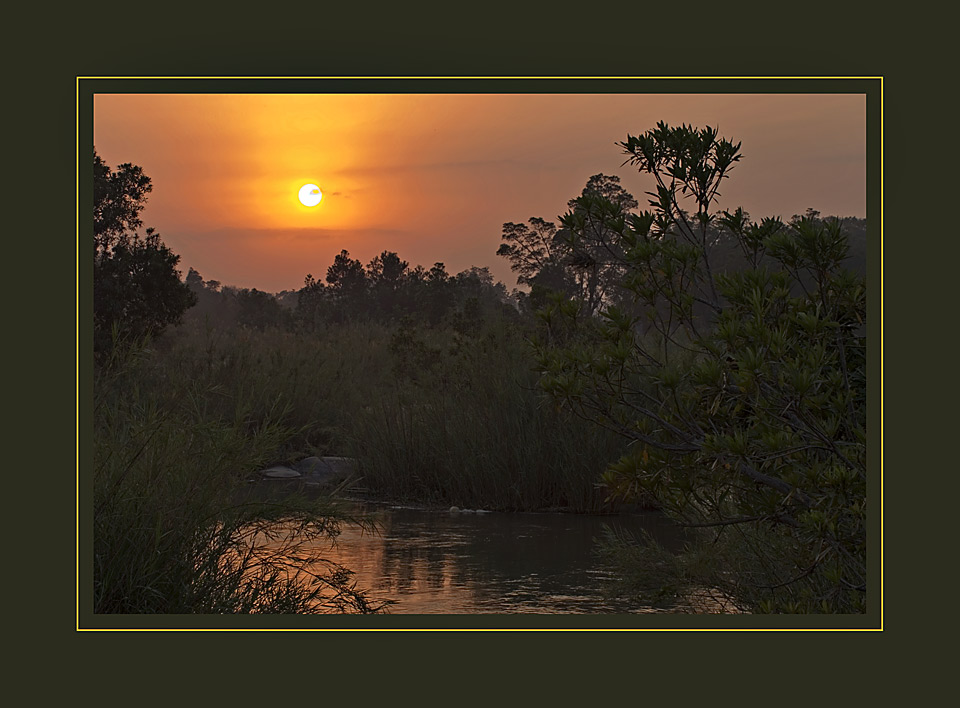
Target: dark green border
<point>50,45</point>
<point>870,87</point>
<point>472,84</point>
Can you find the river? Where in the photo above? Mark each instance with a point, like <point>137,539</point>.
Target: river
<point>440,562</point>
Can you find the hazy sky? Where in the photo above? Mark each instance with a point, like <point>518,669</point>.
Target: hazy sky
<point>434,177</point>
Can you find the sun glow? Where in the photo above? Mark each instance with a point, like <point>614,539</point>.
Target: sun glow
<point>310,195</point>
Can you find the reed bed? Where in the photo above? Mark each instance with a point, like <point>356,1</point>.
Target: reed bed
<point>447,416</point>
<point>176,528</point>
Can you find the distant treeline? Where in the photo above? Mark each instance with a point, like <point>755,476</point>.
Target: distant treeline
<point>388,289</point>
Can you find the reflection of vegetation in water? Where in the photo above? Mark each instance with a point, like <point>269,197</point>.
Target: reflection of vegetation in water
<point>285,564</point>
<point>648,572</point>
<point>454,563</point>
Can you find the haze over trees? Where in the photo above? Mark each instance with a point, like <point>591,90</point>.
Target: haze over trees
<point>685,357</point>
<point>386,290</point>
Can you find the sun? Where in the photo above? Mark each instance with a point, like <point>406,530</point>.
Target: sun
<point>310,195</point>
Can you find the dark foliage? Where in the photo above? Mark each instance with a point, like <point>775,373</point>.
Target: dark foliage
<point>137,290</point>
<point>730,354</point>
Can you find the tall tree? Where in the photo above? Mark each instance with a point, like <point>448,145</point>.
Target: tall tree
<point>388,275</point>
<point>137,289</point>
<point>531,248</point>
<point>387,269</point>
<point>118,198</point>
<point>746,417</point>
<point>583,262</point>
<point>348,286</point>
<point>593,252</point>
<point>346,275</point>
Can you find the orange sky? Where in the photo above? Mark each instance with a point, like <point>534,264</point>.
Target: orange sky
<point>434,177</point>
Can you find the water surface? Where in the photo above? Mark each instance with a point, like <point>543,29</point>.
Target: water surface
<point>440,562</point>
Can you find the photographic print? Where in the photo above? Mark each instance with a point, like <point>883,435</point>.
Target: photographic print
<point>482,356</point>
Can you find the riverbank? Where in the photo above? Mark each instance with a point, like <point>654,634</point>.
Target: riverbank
<point>341,477</point>
<point>434,415</point>
<point>183,424</point>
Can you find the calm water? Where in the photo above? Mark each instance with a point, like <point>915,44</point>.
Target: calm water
<point>438,562</point>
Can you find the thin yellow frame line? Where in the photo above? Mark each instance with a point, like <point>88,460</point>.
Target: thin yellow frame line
<point>881,352</point>
<point>78,355</point>
<point>869,629</point>
<point>482,77</point>
<point>478,629</point>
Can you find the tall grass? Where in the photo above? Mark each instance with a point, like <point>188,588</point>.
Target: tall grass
<point>176,529</point>
<point>445,415</point>
<point>469,428</point>
<point>320,379</point>
<point>438,415</point>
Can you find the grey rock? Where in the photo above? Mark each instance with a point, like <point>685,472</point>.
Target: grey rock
<point>280,472</point>
<point>314,471</point>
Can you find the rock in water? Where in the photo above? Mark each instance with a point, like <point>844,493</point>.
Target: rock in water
<point>280,472</point>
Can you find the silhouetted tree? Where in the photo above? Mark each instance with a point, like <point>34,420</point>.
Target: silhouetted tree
<point>531,249</point>
<point>387,269</point>
<point>258,309</point>
<point>312,303</point>
<point>746,422</point>
<point>387,275</point>
<point>346,275</point>
<point>348,285</point>
<point>194,280</point>
<point>118,199</point>
<point>585,263</point>
<point>389,290</point>
<point>437,293</point>
<point>137,289</point>
<point>593,252</point>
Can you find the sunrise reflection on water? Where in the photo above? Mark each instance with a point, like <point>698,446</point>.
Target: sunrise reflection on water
<point>438,562</point>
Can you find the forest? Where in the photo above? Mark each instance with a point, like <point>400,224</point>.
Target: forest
<point>680,358</point>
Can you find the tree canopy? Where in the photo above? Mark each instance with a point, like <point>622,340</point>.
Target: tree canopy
<point>137,289</point>
<point>741,390</point>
